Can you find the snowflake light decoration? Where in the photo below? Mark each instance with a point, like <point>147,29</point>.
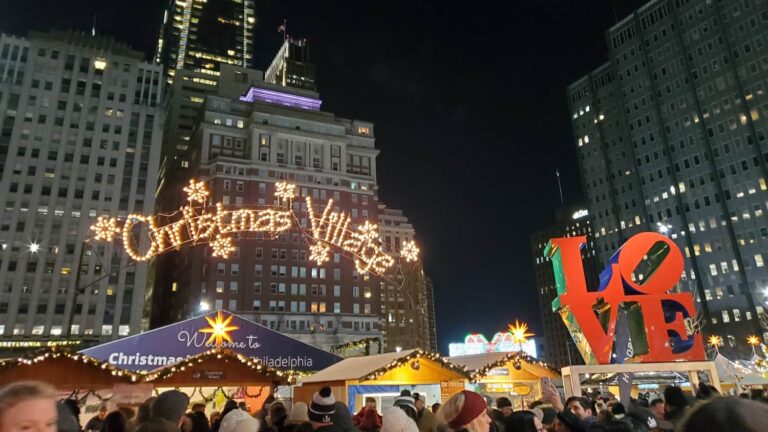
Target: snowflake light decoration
<point>285,191</point>
<point>410,252</point>
<point>319,253</point>
<point>196,191</point>
<point>105,228</point>
<point>222,247</point>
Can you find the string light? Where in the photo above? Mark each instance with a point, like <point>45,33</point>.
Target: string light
<point>196,191</point>
<point>409,251</point>
<point>516,358</point>
<point>220,354</point>
<point>331,230</point>
<point>360,343</point>
<point>222,247</point>
<point>105,228</point>
<point>54,352</point>
<point>416,355</point>
<point>285,191</point>
<point>320,253</point>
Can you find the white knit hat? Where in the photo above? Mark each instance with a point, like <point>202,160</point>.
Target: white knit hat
<point>322,409</point>
<point>396,420</point>
<point>238,421</point>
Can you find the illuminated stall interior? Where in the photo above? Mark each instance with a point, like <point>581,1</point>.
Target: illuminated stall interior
<point>514,375</point>
<point>383,376</point>
<point>219,374</point>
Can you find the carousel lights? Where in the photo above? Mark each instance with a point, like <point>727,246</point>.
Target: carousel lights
<point>409,251</point>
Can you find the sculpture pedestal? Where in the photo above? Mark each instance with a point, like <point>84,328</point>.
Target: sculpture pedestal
<point>572,374</point>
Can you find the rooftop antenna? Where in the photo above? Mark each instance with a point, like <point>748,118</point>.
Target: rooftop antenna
<point>560,187</point>
<point>93,26</point>
<point>613,8</point>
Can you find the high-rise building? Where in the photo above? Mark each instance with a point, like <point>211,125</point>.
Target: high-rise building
<point>196,38</point>
<point>201,35</point>
<point>252,134</point>
<point>80,135</point>
<point>671,136</point>
<point>571,222</point>
<point>406,292</point>
<point>292,66</point>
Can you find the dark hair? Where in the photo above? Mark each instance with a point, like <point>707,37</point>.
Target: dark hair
<point>520,421</point>
<point>726,413</point>
<point>114,422</point>
<point>503,402</point>
<point>582,401</point>
<point>535,404</point>
<point>618,408</point>
<point>370,399</point>
<point>73,406</point>
<point>143,413</point>
<point>435,407</point>
<point>277,415</point>
<point>128,412</point>
<point>675,397</point>
<point>657,401</point>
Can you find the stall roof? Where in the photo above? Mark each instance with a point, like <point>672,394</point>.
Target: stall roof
<point>481,364</point>
<point>358,368</point>
<point>173,343</point>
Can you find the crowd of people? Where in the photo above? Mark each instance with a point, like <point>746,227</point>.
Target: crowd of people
<point>33,407</point>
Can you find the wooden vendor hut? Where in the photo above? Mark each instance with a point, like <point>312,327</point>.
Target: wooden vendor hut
<point>219,374</point>
<point>383,376</point>
<point>514,375</point>
<point>68,372</point>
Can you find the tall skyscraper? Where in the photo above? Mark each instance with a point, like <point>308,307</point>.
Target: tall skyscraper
<point>201,35</point>
<point>80,136</point>
<point>196,38</point>
<point>251,135</point>
<point>571,222</point>
<point>671,136</point>
<point>406,292</point>
<point>292,66</point>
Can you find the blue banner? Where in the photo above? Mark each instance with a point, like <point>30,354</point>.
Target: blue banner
<point>167,345</point>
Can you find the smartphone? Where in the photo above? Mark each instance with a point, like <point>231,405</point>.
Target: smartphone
<point>545,381</point>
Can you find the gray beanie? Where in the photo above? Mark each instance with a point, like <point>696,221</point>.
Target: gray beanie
<point>170,405</point>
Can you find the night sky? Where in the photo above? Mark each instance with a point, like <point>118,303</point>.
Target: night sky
<point>470,115</point>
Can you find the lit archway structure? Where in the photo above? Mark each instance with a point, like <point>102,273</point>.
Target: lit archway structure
<point>202,222</point>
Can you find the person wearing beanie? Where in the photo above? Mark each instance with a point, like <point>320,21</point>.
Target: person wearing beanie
<point>229,405</point>
<point>675,404</point>
<point>166,412</point>
<point>406,403</point>
<point>465,411</point>
<point>321,411</point>
<point>396,420</point>
<point>298,415</point>
<point>238,420</point>
<point>426,421</point>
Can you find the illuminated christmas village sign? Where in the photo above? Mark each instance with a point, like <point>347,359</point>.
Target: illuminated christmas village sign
<point>217,225</point>
<point>636,281</point>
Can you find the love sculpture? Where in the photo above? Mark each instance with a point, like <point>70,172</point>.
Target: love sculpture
<point>636,280</point>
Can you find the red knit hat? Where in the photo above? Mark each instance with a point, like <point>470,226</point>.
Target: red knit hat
<point>474,405</point>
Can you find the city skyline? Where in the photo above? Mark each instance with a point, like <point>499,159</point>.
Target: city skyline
<point>505,262</point>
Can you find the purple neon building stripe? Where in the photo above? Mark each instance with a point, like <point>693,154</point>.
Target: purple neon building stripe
<point>270,96</point>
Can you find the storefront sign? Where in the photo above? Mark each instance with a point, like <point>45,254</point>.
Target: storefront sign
<point>208,375</point>
<point>167,345</point>
<point>637,279</point>
<point>499,372</point>
<point>502,342</point>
